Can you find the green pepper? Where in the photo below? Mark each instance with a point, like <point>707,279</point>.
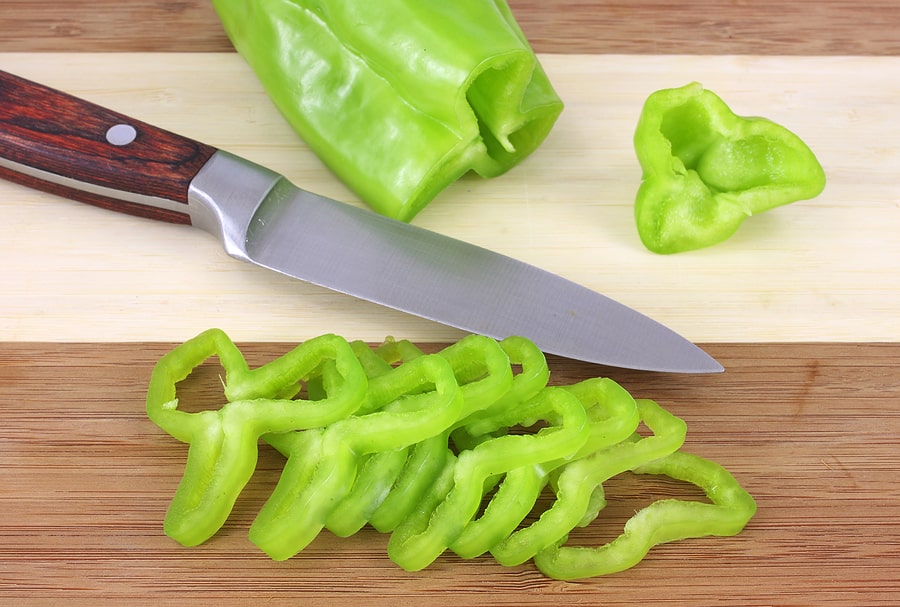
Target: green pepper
<point>399,98</point>
<point>423,537</point>
<point>481,368</point>
<point>578,480</point>
<point>705,169</point>
<point>663,521</point>
<point>223,443</point>
<point>411,403</point>
<point>415,444</point>
<point>414,485</point>
<point>391,484</point>
<point>612,417</point>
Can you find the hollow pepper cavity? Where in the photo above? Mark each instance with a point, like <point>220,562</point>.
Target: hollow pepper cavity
<point>706,169</point>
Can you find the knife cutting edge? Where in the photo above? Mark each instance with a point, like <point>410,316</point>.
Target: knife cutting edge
<point>58,143</point>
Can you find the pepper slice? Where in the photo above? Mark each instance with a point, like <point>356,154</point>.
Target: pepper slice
<point>482,370</point>
<point>411,403</point>
<point>663,521</point>
<point>223,443</point>
<point>414,444</point>
<point>422,537</point>
<point>393,484</point>
<point>399,98</point>
<point>705,169</point>
<point>578,480</point>
<point>612,416</point>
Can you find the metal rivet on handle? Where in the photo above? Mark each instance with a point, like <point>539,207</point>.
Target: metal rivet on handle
<point>121,134</point>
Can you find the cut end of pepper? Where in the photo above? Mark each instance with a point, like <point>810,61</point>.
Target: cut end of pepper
<point>399,100</point>
<point>706,169</point>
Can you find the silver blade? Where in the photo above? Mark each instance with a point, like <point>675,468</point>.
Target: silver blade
<point>266,220</point>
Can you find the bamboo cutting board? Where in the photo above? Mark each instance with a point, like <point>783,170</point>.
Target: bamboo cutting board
<point>801,308</point>
<point>820,270</point>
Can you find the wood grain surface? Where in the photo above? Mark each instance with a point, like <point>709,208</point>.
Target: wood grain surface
<point>761,27</point>
<point>809,428</point>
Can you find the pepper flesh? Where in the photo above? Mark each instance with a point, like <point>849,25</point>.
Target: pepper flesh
<point>705,169</point>
<point>578,479</point>
<point>662,521</point>
<point>322,464</point>
<point>399,98</point>
<point>223,443</point>
<point>414,444</point>
<point>421,539</point>
<point>611,415</point>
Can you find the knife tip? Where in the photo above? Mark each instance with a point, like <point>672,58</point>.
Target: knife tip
<point>714,366</point>
<point>687,360</point>
<point>696,361</point>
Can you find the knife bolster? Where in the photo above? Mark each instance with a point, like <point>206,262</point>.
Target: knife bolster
<point>224,196</point>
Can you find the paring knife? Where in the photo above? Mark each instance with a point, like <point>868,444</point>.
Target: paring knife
<point>58,143</point>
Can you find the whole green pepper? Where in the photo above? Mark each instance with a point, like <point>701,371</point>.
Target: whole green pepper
<point>705,169</point>
<point>399,98</point>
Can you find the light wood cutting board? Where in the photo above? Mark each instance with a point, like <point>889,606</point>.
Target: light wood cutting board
<point>820,270</point>
<point>801,308</point>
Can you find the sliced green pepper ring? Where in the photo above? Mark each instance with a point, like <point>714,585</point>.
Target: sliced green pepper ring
<point>413,402</point>
<point>612,416</point>
<point>223,443</point>
<point>577,481</point>
<point>420,540</point>
<point>482,369</point>
<point>413,443</point>
<point>663,521</point>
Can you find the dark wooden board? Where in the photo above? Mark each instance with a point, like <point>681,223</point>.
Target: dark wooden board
<point>763,27</point>
<point>811,430</point>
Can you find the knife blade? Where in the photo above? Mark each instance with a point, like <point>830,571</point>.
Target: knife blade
<point>53,141</point>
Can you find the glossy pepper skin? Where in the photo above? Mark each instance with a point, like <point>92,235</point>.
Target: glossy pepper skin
<point>399,98</point>
<point>706,169</point>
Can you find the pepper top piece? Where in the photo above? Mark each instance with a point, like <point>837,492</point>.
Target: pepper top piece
<point>705,169</point>
<point>399,98</point>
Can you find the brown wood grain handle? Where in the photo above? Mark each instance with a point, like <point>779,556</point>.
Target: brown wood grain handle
<point>59,143</point>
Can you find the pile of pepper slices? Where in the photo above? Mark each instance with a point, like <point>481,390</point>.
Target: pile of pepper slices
<point>414,444</point>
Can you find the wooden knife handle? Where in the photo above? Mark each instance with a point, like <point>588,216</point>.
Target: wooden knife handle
<point>58,143</point>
